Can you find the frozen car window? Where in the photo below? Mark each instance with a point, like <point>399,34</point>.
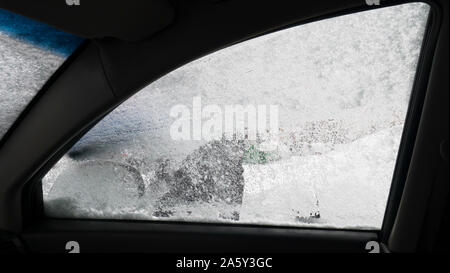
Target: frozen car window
<point>30,53</point>
<point>298,127</point>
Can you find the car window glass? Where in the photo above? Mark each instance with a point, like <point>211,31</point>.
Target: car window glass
<point>299,127</point>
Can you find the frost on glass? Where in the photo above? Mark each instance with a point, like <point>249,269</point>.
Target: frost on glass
<point>30,52</point>
<point>342,87</point>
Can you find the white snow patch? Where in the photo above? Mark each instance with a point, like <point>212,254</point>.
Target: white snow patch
<point>24,69</point>
<point>343,97</point>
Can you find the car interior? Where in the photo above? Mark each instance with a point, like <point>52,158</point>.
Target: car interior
<point>125,46</point>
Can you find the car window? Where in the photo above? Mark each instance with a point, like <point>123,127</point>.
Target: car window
<point>30,52</point>
<point>298,127</point>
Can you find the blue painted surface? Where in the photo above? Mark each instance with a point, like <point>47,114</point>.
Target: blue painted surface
<point>39,34</point>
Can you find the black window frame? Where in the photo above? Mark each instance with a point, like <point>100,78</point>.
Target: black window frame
<point>32,199</point>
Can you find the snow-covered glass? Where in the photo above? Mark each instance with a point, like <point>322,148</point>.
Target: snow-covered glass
<point>30,52</point>
<point>299,127</point>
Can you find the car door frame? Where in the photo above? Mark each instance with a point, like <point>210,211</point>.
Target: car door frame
<point>99,85</point>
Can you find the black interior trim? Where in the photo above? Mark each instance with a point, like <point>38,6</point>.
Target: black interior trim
<point>132,237</point>
<point>428,171</point>
<point>412,119</point>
